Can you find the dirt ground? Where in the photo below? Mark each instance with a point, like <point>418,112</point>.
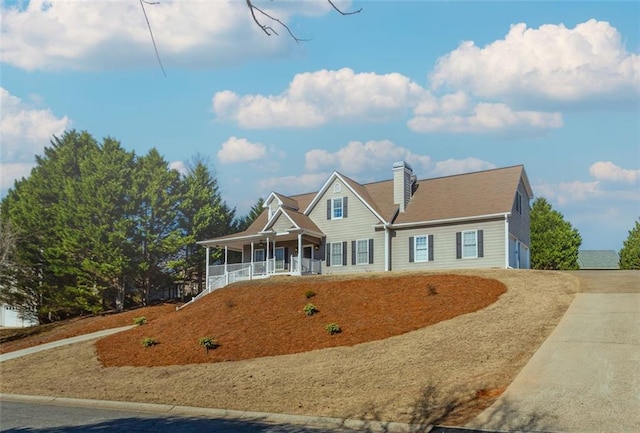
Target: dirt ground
<point>445,372</point>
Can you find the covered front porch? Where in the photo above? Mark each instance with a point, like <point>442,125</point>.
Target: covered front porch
<point>246,257</point>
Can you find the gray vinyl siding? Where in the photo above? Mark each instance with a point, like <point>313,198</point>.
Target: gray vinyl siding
<point>357,225</point>
<point>519,223</point>
<point>444,246</point>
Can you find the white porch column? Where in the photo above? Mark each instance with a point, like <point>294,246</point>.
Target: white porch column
<point>300,253</point>
<point>226,254</point>
<point>386,248</point>
<point>251,270</point>
<point>206,272</point>
<point>266,255</point>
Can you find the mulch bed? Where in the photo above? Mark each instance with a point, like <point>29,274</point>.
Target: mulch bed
<point>83,325</point>
<point>266,317</point>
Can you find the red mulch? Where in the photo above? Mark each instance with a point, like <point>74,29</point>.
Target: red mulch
<point>84,325</point>
<point>266,317</point>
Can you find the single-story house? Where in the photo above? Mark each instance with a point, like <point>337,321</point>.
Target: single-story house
<point>598,259</point>
<point>472,220</point>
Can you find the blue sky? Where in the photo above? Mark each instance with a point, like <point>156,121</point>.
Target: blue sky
<point>450,87</point>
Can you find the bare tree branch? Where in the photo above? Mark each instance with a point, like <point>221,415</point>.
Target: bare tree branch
<point>268,29</point>
<point>342,12</point>
<point>155,47</point>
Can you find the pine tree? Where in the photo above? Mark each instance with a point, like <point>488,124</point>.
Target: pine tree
<point>630,252</point>
<point>554,241</point>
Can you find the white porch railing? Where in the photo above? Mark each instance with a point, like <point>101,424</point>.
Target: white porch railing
<point>247,271</point>
<point>259,268</point>
<point>309,266</point>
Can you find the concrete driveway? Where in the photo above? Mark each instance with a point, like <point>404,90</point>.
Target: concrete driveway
<point>586,375</point>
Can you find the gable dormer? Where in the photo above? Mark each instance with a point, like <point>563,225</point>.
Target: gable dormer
<point>276,200</point>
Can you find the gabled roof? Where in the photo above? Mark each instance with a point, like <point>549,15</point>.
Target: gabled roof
<point>482,193</point>
<point>284,200</point>
<point>298,221</point>
<point>357,189</point>
<point>598,259</point>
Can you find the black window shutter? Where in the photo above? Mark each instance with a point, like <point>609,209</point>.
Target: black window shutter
<point>411,258</point>
<point>458,245</point>
<point>480,243</point>
<point>430,248</point>
<point>353,252</point>
<point>286,254</point>
<point>370,251</point>
<point>328,253</point>
<point>344,207</point>
<point>329,209</point>
<point>344,253</point>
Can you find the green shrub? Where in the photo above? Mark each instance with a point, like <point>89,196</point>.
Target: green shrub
<point>432,290</point>
<point>309,294</point>
<point>139,320</point>
<point>148,342</point>
<point>208,343</point>
<point>333,328</point>
<point>310,309</point>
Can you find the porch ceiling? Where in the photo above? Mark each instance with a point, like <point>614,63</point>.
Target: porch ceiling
<point>237,244</point>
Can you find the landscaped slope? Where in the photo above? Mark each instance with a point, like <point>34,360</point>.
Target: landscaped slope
<point>267,317</point>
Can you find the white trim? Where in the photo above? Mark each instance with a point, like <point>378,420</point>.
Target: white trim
<point>366,241</point>
<point>387,235</point>
<point>333,208</point>
<point>333,262</point>
<point>475,233</point>
<point>415,248</point>
<point>448,220</point>
<point>329,181</point>
<point>506,242</point>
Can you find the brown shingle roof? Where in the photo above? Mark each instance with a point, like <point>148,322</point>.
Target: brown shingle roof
<point>465,195</point>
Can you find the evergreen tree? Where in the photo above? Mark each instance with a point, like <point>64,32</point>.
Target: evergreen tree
<point>40,211</point>
<point>157,239</point>
<point>254,212</point>
<point>204,215</point>
<point>630,252</point>
<point>554,241</point>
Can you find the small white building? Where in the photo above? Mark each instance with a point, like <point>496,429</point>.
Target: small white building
<point>10,317</point>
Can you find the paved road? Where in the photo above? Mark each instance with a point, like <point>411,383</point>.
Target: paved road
<point>57,418</point>
<point>586,375</point>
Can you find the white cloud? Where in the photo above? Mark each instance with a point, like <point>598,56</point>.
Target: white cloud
<point>240,150</point>
<point>24,132</point>
<point>552,63</point>
<point>180,167</point>
<point>608,171</point>
<point>484,118</point>
<point>568,192</point>
<point>315,98</point>
<point>357,157</point>
<point>111,34</point>
<point>458,166</point>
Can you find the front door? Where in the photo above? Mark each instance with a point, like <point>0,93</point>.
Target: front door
<point>307,251</point>
<point>279,258</point>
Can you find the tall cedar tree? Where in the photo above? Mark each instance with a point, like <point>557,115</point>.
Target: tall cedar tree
<point>156,235</point>
<point>630,252</point>
<point>40,210</point>
<point>204,215</point>
<point>554,241</point>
